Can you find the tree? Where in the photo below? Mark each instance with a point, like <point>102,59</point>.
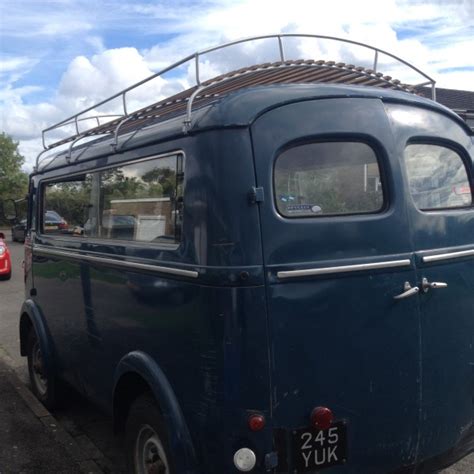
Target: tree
<point>13,181</point>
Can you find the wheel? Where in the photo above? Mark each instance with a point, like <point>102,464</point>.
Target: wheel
<point>146,440</point>
<point>42,383</point>
<point>13,237</point>
<point>7,276</point>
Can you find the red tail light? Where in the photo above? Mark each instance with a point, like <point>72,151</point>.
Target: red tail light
<point>256,422</point>
<point>321,418</point>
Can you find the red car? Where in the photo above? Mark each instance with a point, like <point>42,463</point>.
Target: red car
<point>5,260</point>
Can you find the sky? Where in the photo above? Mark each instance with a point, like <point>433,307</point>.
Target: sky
<point>58,57</point>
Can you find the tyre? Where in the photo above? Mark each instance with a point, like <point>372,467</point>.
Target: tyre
<point>42,383</point>
<point>146,440</point>
<point>13,237</point>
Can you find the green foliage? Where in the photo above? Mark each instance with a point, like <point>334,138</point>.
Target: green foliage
<point>156,183</point>
<point>13,181</point>
<point>70,200</point>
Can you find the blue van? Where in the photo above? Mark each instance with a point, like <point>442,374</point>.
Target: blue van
<point>270,272</point>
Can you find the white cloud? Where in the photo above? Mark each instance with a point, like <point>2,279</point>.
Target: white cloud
<point>96,42</point>
<point>89,81</point>
<point>61,27</point>
<point>86,82</point>
<point>14,64</point>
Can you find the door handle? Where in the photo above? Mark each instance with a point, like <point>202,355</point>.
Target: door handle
<point>408,291</point>
<point>426,285</point>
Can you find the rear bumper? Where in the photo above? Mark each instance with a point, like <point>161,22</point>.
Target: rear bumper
<point>5,266</point>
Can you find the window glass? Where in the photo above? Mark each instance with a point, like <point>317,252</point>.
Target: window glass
<point>143,201</point>
<point>329,178</point>
<point>437,176</point>
<point>67,206</point>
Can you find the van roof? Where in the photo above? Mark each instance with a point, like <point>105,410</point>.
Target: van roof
<point>236,109</point>
<point>243,106</point>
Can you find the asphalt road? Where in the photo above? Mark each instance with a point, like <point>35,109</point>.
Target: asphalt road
<point>89,427</point>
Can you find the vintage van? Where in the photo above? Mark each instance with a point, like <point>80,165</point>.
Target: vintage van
<point>270,272</point>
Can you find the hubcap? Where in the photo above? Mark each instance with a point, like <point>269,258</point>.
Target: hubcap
<point>38,370</point>
<point>150,457</point>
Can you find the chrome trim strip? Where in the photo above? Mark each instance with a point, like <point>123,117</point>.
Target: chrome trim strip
<point>118,263</point>
<point>447,256</point>
<point>344,268</point>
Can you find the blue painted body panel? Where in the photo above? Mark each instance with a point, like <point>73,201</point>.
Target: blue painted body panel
<point>238,339</point>
<point>341,340</point>
<point>447,317</point>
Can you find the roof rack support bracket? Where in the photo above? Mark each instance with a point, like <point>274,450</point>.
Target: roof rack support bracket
<point>69,152</point>
<point>196,59</point>
<point>282,51</point>
<point>114,145</point>
<point>376,59</point>
<point>189,109</point>
<point>124,102</point>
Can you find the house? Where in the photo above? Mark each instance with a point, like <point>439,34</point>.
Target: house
<point>461,102</point>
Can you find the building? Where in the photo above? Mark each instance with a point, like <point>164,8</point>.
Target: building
<point>462,102</point>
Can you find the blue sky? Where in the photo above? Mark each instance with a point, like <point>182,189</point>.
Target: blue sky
<point>58,56</point>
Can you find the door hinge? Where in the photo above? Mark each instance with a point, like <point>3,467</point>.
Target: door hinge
<point>256,195</point>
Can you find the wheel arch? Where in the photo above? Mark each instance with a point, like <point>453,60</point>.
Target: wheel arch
<point>136,373</point>
<point>32,318</point>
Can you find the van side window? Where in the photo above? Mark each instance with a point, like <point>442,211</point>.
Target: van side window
<point>67,207</point>
<point>437,177</point>
<point>140,201</point>
<point>143,201</point>
<point>328,178</point>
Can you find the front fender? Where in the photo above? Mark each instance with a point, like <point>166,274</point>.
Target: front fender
<point>180,439</point>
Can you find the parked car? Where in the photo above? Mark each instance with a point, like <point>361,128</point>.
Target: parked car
<point>5,259</point>
<point>19,231</point>
<point>53,222</point>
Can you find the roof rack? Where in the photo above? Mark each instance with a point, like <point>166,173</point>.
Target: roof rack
<point>202,93</point>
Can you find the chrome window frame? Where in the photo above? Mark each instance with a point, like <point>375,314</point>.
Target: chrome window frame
<point>42,182</point>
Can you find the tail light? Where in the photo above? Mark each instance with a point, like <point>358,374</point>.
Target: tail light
<point>256,422</point>
<point>321,418</point>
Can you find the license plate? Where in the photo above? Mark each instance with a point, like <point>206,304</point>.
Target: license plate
<point>316,449</point>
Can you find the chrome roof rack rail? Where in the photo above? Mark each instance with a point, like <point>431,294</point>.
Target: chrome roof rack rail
<point>183,101</point>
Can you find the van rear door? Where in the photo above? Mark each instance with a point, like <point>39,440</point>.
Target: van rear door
<point>337,250</point>
<point>438,155</point>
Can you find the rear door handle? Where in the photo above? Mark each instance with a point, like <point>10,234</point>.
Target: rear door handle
<point>434,285</point>
<point>408,291</point>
